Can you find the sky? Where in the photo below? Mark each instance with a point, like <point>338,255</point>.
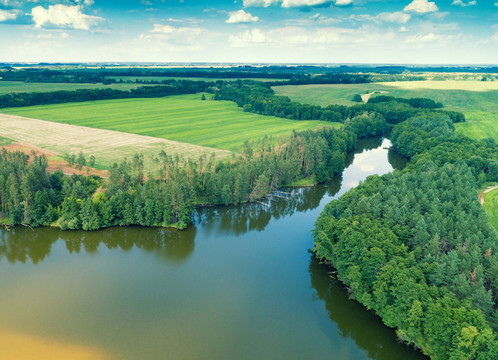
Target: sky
<point>250,31</point>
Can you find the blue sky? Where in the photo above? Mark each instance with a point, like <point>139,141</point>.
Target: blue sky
<point>251,31</point>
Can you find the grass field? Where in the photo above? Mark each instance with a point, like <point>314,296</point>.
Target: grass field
<point>107,146</point>
<point>161,78</point>
<point>4,141</point>
<point>185,118</point>
<point>491,207</point>
<point>478,100</point>
<point>7,87</point>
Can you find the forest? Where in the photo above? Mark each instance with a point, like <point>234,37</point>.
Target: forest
<point>416,246</point>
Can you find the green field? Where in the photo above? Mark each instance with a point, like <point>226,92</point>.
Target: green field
<point>478,100</point>
<point>131,79</point>
<point>5,141</point>
<point>491,207</point>
<point>7,87</point>
<point>186,118</point>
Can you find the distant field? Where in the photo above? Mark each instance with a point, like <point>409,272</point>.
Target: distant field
<point>491,207</point>
<point>186,118</point>
<point>478,100</point>
<point>107,146</point>
<point>7,87</point>
<point>161,78</point>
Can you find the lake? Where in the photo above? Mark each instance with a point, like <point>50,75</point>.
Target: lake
<point>241,283</point>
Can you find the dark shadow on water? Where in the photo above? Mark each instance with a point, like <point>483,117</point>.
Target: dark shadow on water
<point>354,321</point>
<point>21,245</point>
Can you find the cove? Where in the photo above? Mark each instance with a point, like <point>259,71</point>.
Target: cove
<point>240,283</point>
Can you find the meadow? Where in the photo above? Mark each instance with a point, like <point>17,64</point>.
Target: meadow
<point>491,207</point>
<point>7,87</point>
<point>185,118</point>
<point>478,100</point>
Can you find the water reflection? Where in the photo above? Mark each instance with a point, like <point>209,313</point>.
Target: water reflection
<point>237,220</point>
<point>353,321</point>
<point>22,244</point>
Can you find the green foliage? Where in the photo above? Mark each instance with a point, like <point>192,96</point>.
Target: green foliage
<point>417,247</point>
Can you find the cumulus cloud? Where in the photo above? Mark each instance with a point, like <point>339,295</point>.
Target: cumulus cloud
<point>421,6</point>
<point>8,15</point>
<point>463,4</point>
<point>67,16</point>
<point>296,3</point>
<point>241,16</point>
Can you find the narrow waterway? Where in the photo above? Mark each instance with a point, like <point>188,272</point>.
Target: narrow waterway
<point>239,284</point>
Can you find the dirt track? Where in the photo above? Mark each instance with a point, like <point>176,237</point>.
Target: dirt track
<point>481,195</point>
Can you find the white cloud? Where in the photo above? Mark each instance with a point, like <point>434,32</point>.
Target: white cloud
<point>260,3</point>
<point>295,3</point>
<point>421,6</point>
<point>462,4</point>
<point>303,3</point>
<point>241,16</point>
<point>423,38</point>
<point>63,16</point>
<point>8,15</point>
<point>294,37</point>
<point>394,17</point>
<point>249,37</point>
<point>343,2</point>
<point>168,29</point>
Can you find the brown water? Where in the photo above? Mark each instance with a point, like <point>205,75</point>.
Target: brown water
<point>239,284</point>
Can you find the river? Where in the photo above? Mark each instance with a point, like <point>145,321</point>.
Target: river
<point>239,284</point>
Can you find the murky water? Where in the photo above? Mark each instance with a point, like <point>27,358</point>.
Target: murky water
<point>240,284</point>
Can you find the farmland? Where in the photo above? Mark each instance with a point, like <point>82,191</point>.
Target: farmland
<point>108,146</point>
<point>7,87</point>
<point>476,99</point>
<point>185,118</point>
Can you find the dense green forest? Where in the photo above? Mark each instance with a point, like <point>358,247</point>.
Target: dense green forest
<point>417,247</point>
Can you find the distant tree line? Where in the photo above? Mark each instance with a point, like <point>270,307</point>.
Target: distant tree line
<point>258,97</point>
<point>59,97</point>
<point>416,245</point>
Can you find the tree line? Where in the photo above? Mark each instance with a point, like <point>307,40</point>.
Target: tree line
<point>165,194</point>
<point>58,97</point>
<point>258,97</point>
<point>417,247</point>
